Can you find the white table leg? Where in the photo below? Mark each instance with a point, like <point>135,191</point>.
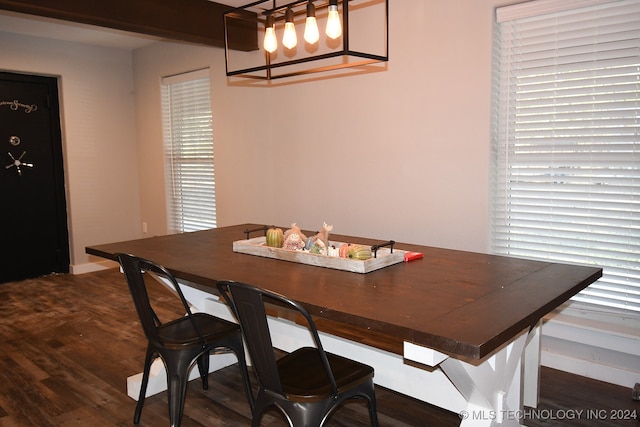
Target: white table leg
<point>531,367</point>
<point>492,388</point>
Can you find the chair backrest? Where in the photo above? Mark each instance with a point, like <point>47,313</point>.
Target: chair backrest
<point>136,270</point>
<point>248,305</point>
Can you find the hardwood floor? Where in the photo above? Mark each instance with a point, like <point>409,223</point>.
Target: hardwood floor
<point>68,343</point>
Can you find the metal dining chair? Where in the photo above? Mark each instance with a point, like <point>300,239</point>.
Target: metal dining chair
<point>178,342</point>
<point>306,385</point>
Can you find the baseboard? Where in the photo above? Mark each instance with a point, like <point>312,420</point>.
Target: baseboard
<point>90,267</point>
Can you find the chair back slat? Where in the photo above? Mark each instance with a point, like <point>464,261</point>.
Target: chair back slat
<point>249,308</point>
<point>133,271</point>
<point>302,383</point>
<point>248,303</point>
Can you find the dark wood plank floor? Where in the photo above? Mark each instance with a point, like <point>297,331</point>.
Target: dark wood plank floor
<point>68,343</point>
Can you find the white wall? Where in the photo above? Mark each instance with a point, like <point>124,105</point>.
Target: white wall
<point>242,147</point>
<point>402,154</point>
<point>98,133</point>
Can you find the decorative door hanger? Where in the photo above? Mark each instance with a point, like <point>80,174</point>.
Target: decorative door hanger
<point>14,140</point>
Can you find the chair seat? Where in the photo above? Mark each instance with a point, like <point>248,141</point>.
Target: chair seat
<point>180,332</point>
<point>304,379</point>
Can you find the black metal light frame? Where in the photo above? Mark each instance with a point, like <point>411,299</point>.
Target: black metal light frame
<point>270,69</point>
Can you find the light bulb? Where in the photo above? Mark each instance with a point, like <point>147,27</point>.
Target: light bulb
<point>289,38</point>
<point>311,34</point>
<point>270,40</point>
<point>334,27</point>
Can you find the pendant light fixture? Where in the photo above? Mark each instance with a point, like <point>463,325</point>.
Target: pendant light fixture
<point>311,33</point>
<point>356,35</point>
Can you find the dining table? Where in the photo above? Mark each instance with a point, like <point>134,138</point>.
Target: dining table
<point>458,329</point>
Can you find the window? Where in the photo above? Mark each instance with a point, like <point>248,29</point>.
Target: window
<point>188,139</point>
<point>566,140</point>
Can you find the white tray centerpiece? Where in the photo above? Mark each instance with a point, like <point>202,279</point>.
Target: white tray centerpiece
<point>292,245</point>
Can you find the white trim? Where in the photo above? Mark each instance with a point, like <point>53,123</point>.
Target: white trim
<point>90,267</point>
<point>589,369</point>
<point>184,77</point>
<point>541,7</point>
<point>603,350</point>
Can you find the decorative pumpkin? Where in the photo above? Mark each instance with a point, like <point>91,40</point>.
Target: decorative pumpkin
<point>359,252</point>
<point>344,249</point>
<point>275,237</point>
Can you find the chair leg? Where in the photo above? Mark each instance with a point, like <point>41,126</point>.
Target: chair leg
<point>178,365</point>
<point>368,392</point>
<point>203,368</point>
<point>259,406</point>
<point>143,386</point>
<point>373,410</point>
<point>176,394</point>
<point>242,363</point>
<point>235,344</point>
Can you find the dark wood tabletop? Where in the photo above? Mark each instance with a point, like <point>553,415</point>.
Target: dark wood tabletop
<point>460,303</point>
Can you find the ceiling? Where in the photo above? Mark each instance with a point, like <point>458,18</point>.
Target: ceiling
<point>19,23</point>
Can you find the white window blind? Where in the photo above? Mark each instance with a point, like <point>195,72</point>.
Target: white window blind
<point>566,141</point>
<point>188,138</point>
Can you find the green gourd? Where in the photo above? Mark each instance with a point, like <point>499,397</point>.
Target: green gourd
<point>359,252</point>
<point>275,237</point>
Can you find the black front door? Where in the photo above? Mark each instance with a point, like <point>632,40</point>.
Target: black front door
<point>33,216</point>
